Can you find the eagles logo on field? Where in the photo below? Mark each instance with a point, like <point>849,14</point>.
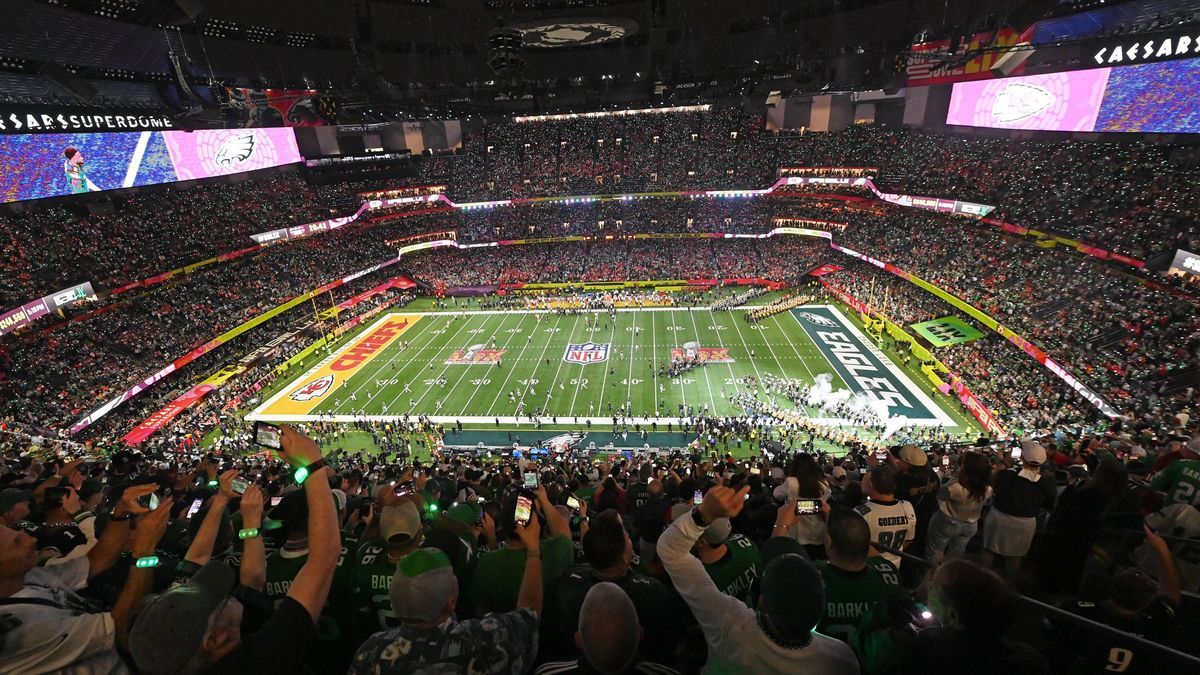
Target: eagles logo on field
<point>817,319</point>
<point>315,389</point>
<point>235,149</point>
<point>573,32</point>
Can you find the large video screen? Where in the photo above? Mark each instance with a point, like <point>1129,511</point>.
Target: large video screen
<point>1152,97</point>
<point>35,166</point>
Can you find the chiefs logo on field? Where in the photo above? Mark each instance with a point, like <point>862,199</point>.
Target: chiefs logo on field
<point>315,389</point>
<point>817,319</point>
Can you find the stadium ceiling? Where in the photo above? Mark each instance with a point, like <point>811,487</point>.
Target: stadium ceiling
<point>442,52</point>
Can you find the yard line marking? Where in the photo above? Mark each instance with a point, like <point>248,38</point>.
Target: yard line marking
<point>579,320</point>
<point>707,379</point>
<point>737,389</point>
<point>445,367</point>
<point>504,387</point>
<point>466,407</point>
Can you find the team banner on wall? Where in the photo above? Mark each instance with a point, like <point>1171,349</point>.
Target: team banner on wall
<point>946,331</point>
<point>930,62</point>
<point>282,107</point>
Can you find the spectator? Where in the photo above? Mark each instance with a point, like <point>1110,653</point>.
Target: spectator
<point>1020,495</point>
<point>197,626</point>
<point>424,593</point>
<point>960,503</point>
<point>892,521</point>
<point>498,575</point>
<point>781,638</point>
<point>854,581</point>
<point>48,627</point>
<point>608,637</point>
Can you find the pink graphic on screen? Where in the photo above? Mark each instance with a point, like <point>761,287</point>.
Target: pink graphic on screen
<point>1053,102</point>
<point>217,152</point>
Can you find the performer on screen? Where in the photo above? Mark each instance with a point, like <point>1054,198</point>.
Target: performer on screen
<point>76,175</point>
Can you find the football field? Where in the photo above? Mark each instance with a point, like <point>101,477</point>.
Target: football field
<point>502,367</point>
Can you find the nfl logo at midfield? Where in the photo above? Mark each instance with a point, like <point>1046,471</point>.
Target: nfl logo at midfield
<point>588,352</point>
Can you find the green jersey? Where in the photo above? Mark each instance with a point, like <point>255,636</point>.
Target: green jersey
<point>1181,481</point>
<point>372,580</point>
<point>737,570</point>
<point>850,595</point>
<point>282,568</point>
<point>496,581</point>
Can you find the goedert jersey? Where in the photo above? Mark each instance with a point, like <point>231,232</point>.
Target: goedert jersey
<point>892,524</point>
<point>1181,481</point>
<point>736,572</point>
<point>850,595</point>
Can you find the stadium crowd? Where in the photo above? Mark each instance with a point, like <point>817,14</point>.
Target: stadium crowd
<point>884,560</point>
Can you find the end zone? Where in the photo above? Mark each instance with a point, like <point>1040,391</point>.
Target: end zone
<point>864,368</point>
<point>314,387</point>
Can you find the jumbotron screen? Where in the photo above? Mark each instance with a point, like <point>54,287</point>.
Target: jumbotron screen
<point>35,166</point>
<point>1146,98</point>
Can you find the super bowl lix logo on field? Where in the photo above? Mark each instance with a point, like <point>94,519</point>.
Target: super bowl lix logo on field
<point>475,354</point>
<point>587,352</point>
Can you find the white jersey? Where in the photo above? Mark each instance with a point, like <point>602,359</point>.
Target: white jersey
<point>892,524</point>
<point>56,630</point>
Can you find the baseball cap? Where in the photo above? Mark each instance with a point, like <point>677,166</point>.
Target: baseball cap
<point>793,595</point>
<point>171,625</point>
<point>1032,452</point>
<point>399,523</point>
<point>464,512</point>
<point>838,472</point>
<point>914,455</point>
<point>1194,444</point>
<point>10,497</point>
<point>422,585</point>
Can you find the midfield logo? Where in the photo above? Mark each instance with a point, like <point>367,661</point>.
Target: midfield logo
<point>588,352</point>
<point>315,389</point>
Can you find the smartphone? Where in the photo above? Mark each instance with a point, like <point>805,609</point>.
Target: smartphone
<point>697,497</point>
<point>364,506</point>
<point>1016,453</point>
<point>531,480</point>
<point>807,507</point>
<point>755,471</point>
<point>945,460</point>
<point>149,501</point>
<point>524,510</point>
<point>881,455</point>
<point>275,500</point>
<point>573,503</point>
<point>195,507</point>
<point>405,488</point>
<point>239,486</point>
<point>268,435</point>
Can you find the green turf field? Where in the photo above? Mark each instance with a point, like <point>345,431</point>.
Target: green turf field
<point>484,367</point>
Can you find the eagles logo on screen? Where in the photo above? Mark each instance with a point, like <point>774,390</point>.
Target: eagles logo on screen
<point>817,319</point>
<point>315,389</point>
<point>235,150</point>
<point>574,32</point>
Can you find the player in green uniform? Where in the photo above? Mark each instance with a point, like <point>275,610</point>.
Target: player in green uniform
<point>854,582</point>
<point>1180,480</point>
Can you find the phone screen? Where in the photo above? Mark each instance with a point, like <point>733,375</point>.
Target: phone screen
<point>755,471</point>
<point>697,497</point>
<point>807,507</point>
<point>150,501</point>
<point>524,510</point>
<point>268,435</point>
<point>530,479</point>
<point>573,503</point>
<point>881,454</point>
<point>195,507</point>
<point>239,486</point>
<point>1016,453</point>
<point>405,488</point>
<point>275,500</point>
<point>945,460</point>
